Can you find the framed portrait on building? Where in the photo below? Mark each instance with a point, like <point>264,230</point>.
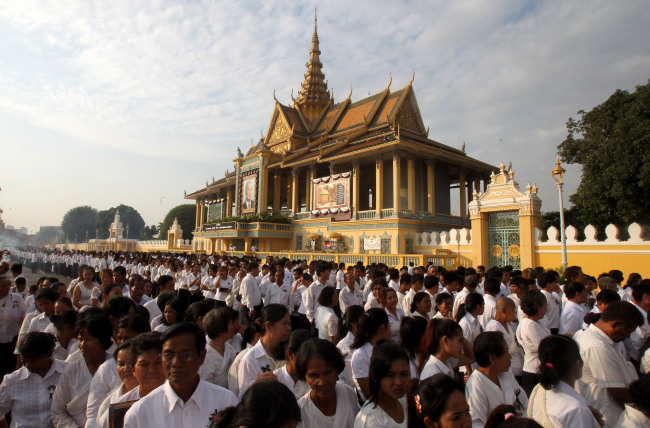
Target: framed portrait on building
<point>248,192</point>
<point>332,192</point>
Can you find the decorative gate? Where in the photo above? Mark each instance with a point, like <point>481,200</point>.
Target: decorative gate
<point>503,239</point>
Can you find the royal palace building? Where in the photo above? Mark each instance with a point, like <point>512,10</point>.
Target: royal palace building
<point>346,177</point>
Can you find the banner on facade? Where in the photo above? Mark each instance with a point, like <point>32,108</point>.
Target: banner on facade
<point>332,193</point>
<point>215,210</point>
<point>372,244</point>
<point>213,227</point>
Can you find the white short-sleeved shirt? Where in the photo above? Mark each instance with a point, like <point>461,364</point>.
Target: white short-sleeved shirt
<point>470,326</point>
<point>434,366</point>
<point>28,396</point>
<point>256,362</point>
<point>490,310</point>
<point>346,410</point>
<point>529,335</point>
<point>553,308</point>
<point>326,322</point>
<point>39,323</point>
<point>215,366</point>
<point>483,395</point>
<point>394,324</point>
<point>154,310</point>
<point>565,407</point>
<point>349,298</point>
<point>514,349</point>
<point>361,365</point>
<point>345,347</point>
<point>458,300</point>
<point>604,367</point>
<point>299,387</point>
<point>572,318</point>
<point>371,416</point>
<point>162,407</point>
<point>12,310</point>
<point>233,371</point>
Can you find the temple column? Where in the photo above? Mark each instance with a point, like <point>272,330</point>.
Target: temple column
<point>431,186</point>
<point>229,196</point>
<point>355,189</point>
<point>470,190</point>
<point>295,204</point>
<point>396,184</point>
<point>379,185</point>
<point>276,192</point>
<point>197,216</point>
<point>411,184</point>
<point>485,184</point>
<point>463,196</point>
<point>263,196</point>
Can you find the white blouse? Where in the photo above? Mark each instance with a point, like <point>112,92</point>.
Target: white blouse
<point>371,416</point>
<point>327,322</point>
<point>345,347</point>
<point>483,395</point>
<point>215,366</point>
<point>361,365</point>
<point>299,387</point>
<point>256,362</point>
<point>395,324</point>
<point>515,351</point>
<point>565,407</point>
<point>529,335</point>
<point>434,366</point>
<point>346,410</point>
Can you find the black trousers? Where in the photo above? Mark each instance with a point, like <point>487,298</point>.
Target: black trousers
<point>528,382</point>
<point>7,357</point>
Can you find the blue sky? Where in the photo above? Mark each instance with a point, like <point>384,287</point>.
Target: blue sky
<point>127,101</point>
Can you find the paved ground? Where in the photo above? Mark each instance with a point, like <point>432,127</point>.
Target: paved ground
<point>33,277</point>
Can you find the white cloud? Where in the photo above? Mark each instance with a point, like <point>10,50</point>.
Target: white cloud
<point>182,84</point>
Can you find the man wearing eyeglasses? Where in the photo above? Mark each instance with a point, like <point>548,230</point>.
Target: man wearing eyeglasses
<point>184,400</point>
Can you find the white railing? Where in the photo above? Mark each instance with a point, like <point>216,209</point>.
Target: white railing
<point>451,237</point>
<point>611,232</point>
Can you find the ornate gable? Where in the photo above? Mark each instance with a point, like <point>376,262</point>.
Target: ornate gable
<point>279,130</point>
<point>408,114</point>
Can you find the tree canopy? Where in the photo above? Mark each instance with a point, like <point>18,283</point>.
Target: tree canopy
<point>612,143</point>
<point>186,215</point>
<point>77,221</point>
<point>129,217</point>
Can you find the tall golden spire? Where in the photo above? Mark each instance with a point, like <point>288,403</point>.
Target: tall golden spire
<point>313,94</point>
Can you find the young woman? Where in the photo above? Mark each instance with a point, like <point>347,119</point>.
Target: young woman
<point>388,300</point>
<point>444,305</point>
<point>439,402</point>
<point>421,305</point>
<point>555,403</point>
<point>443,349</point>
<point>84,289</point>
<point>326,320</point>
<point>174,312</point>
<point>411,332</point>
<point>390,378</point>
<point>250,336</point>
<point>492,383</point>
<point>264,356</point>
<point>351,322</point>
<point>329,402</point>
<point>468,313</point>
<point>219,327</point>
<point>26,392</point>
<point>373,326</point>
<point>254,410</point>
<point>288,374</point>
<point>109,292</point>
<point>505,315</point>
<point>529,335</point>
<point>128,381</point>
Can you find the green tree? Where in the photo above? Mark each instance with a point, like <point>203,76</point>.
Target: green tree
<point>129,216</point>
<point>148,232</point>
<point>186,215</point>
<point>612,143</point>
<point>77,221</point>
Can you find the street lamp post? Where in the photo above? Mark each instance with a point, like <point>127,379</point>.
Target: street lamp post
<point>558,175</point>
<point>127,238</point>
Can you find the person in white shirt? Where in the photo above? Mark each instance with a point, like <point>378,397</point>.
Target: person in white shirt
<point>491,289</point>
<point>12,314</point>
<point>373,326</point>
<point>65,335</point>
<point>220,354</point>
<point>311,295</point>
<point>445,348</point>
<point>468,314</point>
<point>276,291</point>
<point>349,295</point>
<point>326,320</point>
<point>554,402</point>
<point>128,383</point>
<point>416,286</point>
<point>208,283</point>
<point>251,297</point>
<point>606,372</point>
<point>391,378</point>
<point>574,311</point>
<point>288,374</point>
<point>548,282</point>
<point>637,413</point>
<point>329,402</point>
<point>45,299</point>
<point>136,290</point>
<point>641,301</point>
<point>502,322</point>
<point>165,284</point>
<point>264,356</point>
<point>223,285</point>
<point>529,334</point>
<point>492,384</point>
<point>184,400</point>
<point>393,279</point>
<point>470,284</point>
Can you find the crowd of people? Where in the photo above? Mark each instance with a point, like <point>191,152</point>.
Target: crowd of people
<point>199,340</point>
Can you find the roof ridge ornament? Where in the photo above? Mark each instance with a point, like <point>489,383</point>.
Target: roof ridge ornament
<point>412,78</point>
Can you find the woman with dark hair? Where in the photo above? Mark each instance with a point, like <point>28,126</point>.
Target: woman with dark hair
<point>218,325</point>
<point>421,305</point>
<point>439,402</point>
<point>529,335</point>
<point>411,332</point>
<point>174,312</point>
<point>94,336</point>
<point>554,403</point>
<point>504,416</point>
<point>444,305</point>
<point>443,349</point>
<point>492,383</point>
<point>250,336</point>
<point>351,323</point>
<point>388,301</point>
<point>288,374</point>
<point>27,392</point>
<point>329,402</point>
<point>127,381</point>
<point>85,289</point>
<point>110,291</point>
<point>468,313</point>
<point>264,356</point>
<point>254,410</point>
<point>390,378</point>
<point>373,326</point>
<point>326,321</point>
